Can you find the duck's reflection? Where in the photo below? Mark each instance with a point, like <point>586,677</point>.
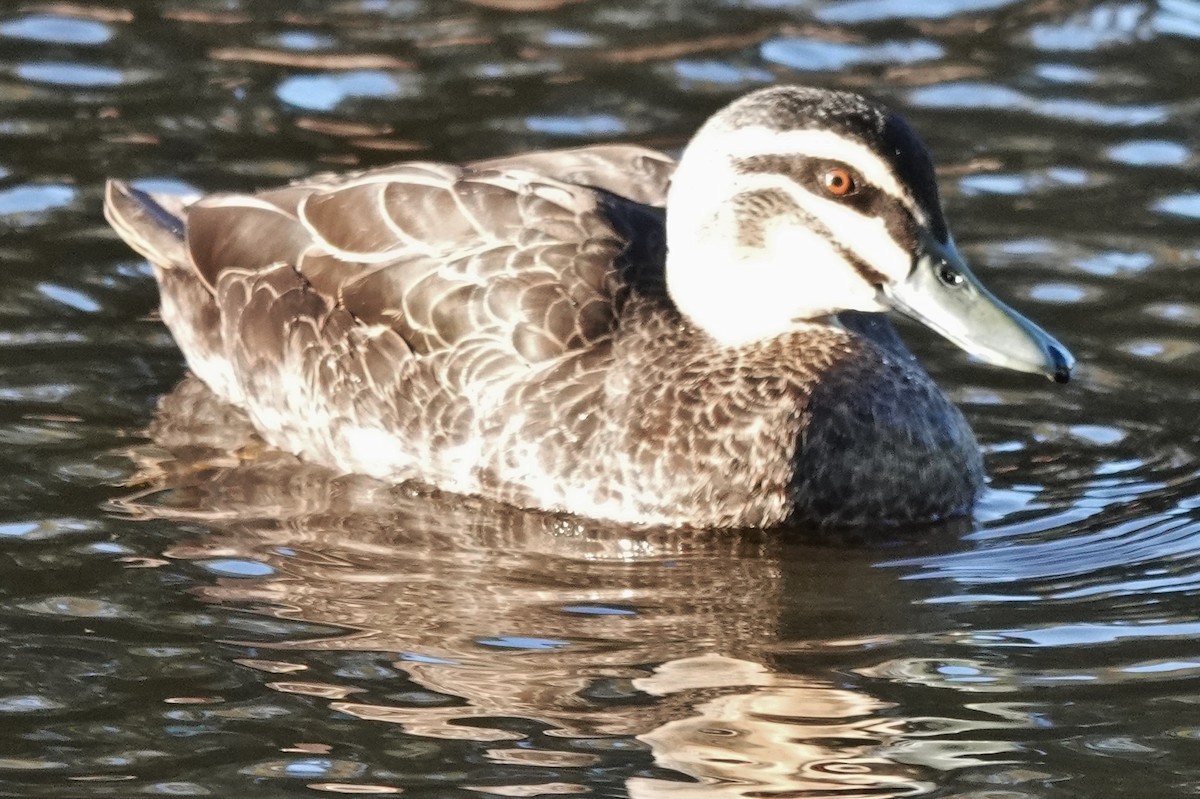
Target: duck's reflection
<point>787,735</point>
<point>686,642</point>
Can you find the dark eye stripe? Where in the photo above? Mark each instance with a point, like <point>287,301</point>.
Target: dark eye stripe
<point>869,199</point>
<point>793,168</point>
<point>804,170</point>
<point>756,206</point>
<point>898,221</point>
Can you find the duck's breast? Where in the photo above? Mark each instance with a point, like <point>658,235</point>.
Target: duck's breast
<point>881,444</point>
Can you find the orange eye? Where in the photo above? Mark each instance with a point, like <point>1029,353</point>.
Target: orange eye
<point>838,181</point>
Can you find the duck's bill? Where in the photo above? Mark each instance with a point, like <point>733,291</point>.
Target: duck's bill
<point>942,294</point>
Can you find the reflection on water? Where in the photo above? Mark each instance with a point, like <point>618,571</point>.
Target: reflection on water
<point>243,625</point>
<point>502,619</point>
<point>738,664</point>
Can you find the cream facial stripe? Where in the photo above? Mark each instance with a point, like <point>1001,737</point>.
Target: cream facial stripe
<point>866,237</point>
<point>821,144</point>
<point>898,219</point>
<point>752,228</point>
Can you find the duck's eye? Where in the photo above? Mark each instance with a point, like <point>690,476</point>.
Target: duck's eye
<point>838,181</point>
<point>949,276</point>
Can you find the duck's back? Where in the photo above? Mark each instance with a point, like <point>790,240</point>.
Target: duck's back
<point>502,329</point>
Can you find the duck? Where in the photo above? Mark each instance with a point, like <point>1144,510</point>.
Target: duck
<point>604,331</point>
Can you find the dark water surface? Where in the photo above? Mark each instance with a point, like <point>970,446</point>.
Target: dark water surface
<point>171,624</point>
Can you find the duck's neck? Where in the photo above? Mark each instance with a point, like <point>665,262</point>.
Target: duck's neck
<point>715,269</point>
<point>878,329</point>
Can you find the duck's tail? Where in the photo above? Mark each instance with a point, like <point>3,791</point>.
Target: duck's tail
<point>152,224</point>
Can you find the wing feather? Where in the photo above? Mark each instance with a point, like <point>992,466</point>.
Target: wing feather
<point>523,259</point>
<point>233,231</point>
<point>637,173</point>
<point>483,268</point>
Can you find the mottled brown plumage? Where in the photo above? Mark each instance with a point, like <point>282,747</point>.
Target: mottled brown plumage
<point>502,328</point>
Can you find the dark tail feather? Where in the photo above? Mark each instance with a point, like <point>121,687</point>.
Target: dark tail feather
<point>154,226</point>
<point>166,219</point>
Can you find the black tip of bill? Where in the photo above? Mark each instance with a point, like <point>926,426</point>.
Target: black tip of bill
<point>1063,363</point>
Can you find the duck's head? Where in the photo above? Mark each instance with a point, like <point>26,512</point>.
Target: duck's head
<point>792,204</point>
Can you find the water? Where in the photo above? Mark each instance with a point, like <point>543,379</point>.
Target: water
<point>180,618</point>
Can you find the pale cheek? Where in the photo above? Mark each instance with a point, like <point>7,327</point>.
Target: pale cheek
<point>817,278</point>
<point>791,258</point>
<point>870,241</point>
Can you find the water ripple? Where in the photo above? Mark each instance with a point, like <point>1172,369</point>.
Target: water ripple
<point>71,73</point>
<point>852,11</point>
<point>1150,152</point>
<point>970,95</point>
<point>1106,26</point>
<point>1186,205</point>
<point>35,199</point>
<point>325,92</point>
<point>817,55</point>
<point>55,29</point>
